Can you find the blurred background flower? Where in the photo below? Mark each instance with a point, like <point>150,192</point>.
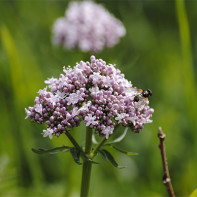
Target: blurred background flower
<point>152,55</point>
<point>87,26</point>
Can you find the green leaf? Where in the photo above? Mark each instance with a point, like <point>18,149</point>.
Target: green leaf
<point>103,154</point>
<point>75,154</point>
<point>51,151</point>
<point>91,161</point>
<point>194,193</point>
<point>111,159</point>
<point>94,139</point>
<point>124,152</point>
<point>119,138</point>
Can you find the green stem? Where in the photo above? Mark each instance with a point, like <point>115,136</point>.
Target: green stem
<point>73,141</point>
<point>88,145</point>
<point>86,165</point>
<point>85,183</point>
<point>100,144</point>
<point>98,147</point>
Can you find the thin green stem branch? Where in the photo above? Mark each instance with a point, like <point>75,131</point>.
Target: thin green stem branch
<point>74,142</point>
<point>100,144</point>
<point>98,147</point>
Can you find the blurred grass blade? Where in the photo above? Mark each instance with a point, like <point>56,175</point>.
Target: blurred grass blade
<point>187,63</point>
<point>194,193</point>
<point>22,138</point>
<point>15,65</point>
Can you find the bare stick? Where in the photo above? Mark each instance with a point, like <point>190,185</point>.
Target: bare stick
<point>166,176</point>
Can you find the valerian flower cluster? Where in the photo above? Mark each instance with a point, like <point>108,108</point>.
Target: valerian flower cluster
<point>87,26</point>
<point>93,92</point>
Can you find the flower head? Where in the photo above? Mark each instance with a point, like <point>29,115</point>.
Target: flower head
<point>93,92</point>
<point>87,26</point>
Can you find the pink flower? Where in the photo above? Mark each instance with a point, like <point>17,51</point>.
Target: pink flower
<point>90,120</point>
<point>93,92</point>
<point>87,26</point>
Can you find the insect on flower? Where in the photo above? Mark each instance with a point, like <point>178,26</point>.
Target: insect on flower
<point>142,94</point>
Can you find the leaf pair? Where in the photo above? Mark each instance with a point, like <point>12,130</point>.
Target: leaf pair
<point>74,152</point>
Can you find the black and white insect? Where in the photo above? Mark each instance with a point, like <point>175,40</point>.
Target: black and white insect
<point>143,94</point>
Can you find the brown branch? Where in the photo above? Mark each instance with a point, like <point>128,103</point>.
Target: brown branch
<point>166,176</point>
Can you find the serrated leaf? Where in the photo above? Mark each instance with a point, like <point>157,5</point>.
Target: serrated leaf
<point>124,152</point>
<point>119,138</point>
<point>194,193</point>
<point>51,151</point>
<point>75,154</point>
<point>111,159</point>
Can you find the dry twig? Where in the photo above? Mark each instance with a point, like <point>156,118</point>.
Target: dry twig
<point>166,176</point>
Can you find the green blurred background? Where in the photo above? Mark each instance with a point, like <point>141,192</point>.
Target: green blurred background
<point>158,52</point>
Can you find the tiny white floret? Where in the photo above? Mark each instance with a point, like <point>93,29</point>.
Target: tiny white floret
<point>107,131</point>
<point>90,120</point>
<point>48,132</point>
<point>28,113</point>
<point>38,108</point>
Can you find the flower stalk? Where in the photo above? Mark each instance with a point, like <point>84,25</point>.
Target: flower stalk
<point>85,155</point>
<point>88,145</point>
<point>87,165</point>
<point>73,141</point>
<point>85,182</point>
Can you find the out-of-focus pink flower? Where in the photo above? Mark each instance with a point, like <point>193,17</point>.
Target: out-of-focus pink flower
<point>87,26</point>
